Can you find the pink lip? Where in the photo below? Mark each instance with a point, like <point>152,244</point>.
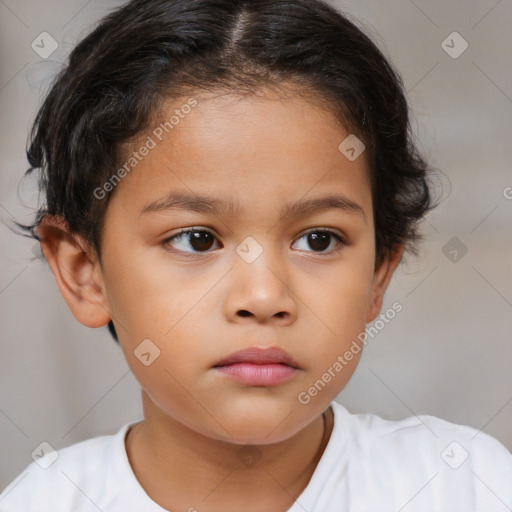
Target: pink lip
<point>259,367</point>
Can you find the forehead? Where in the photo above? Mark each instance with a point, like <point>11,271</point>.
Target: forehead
<point>265,148</point>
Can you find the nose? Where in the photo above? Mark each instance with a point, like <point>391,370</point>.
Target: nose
<point>260,292</point>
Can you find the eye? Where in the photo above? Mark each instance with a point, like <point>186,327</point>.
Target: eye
<point>321,239</point>
<point>199,240</point>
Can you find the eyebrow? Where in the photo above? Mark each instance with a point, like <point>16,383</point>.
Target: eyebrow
<point>207,204</point>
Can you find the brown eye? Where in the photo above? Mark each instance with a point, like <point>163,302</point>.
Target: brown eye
<point>198,240</point>
<point>321,240</point>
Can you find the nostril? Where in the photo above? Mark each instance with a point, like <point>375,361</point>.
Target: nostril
<point>244,312</point>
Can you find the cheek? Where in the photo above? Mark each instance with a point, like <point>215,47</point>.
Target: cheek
<point>153,299</point>
<point>342,293</point>
<point>340,309</point>
<point>156,306</point>
<point>339,306</point>
<point>144,293</point>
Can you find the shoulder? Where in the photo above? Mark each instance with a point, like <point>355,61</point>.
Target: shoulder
<point>421,432</point>
<point>64,479</point>
<point>423,449</point>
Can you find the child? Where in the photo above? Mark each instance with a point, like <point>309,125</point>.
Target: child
<point>230,185</point>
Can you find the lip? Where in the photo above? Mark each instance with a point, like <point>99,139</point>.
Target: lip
<point>258,367</point>
<point>255,355</point>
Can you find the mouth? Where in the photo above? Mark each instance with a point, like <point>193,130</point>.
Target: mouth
<point>258,367</point>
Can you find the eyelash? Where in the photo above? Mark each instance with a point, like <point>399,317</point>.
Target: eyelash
<point>185,231</point>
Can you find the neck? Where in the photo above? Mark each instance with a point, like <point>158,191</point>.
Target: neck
<point>180,468</point>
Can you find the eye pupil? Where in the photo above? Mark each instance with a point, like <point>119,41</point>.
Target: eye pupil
<point>201,240</point>
<point>319,241</point>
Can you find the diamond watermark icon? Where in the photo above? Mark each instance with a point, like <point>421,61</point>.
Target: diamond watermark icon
<point>249,455</point>
<point>249,250</point>
<point>454,45</point>
<point>44,45</point>
<point>455,455</point>
<point>44,455</point>
<point>351,147</point>
<point>454,249</point>
<point>146,352</point>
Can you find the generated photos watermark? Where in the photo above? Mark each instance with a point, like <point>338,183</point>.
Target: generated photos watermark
<point>157,135</point>
<point>304,397</point>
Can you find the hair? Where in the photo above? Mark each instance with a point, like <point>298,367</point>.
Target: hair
<point>151,51</point>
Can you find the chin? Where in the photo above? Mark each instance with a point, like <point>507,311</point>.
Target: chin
<point>259,431</point>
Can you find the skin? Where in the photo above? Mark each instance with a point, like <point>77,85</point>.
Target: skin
<point>260,152</point>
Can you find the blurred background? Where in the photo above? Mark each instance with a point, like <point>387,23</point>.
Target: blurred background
<point>448,353</point>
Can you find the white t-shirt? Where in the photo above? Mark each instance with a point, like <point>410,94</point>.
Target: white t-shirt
<point>370,464</point>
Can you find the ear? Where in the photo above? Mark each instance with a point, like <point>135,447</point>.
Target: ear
<point>76,270</point>
<point>381,278</point>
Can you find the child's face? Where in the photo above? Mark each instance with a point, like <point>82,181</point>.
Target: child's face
<point>200,300</point>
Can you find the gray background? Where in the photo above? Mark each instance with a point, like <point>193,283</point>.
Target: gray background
<point>448,353</point>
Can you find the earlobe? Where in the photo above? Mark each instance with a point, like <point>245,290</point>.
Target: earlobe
<point>76,270</point>
<point>381,279</point>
